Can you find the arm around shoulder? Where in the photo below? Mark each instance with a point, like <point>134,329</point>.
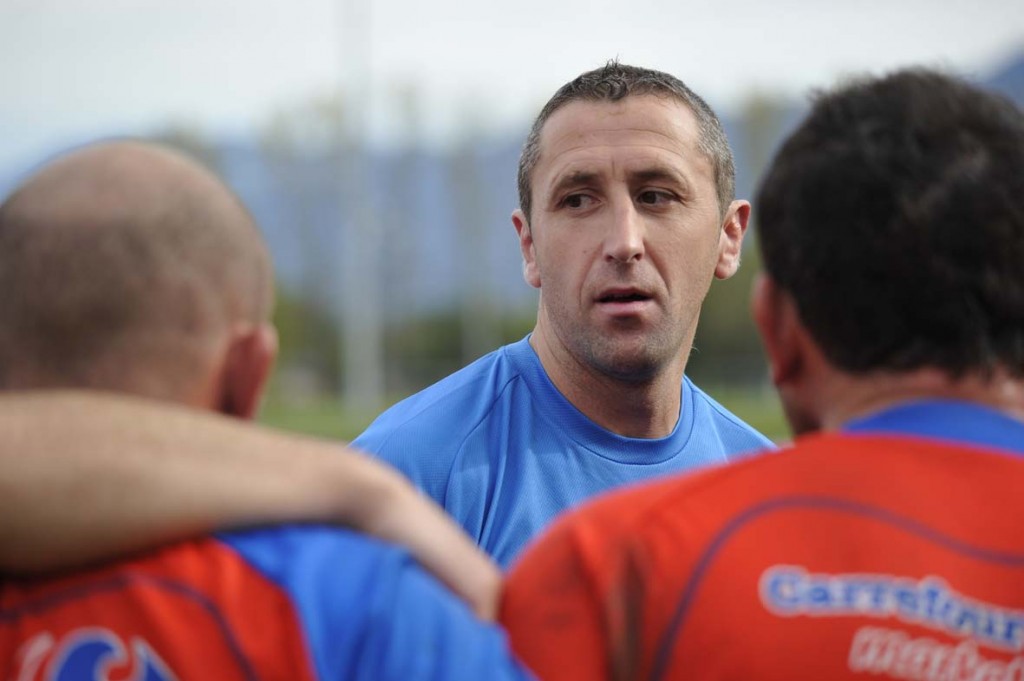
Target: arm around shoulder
<point>86,477</point>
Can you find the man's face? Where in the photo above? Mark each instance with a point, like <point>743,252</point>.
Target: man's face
<point>625,234</point>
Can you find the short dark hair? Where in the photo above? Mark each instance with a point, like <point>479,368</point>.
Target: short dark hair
<point>893,216</point>
<point>615,81</point>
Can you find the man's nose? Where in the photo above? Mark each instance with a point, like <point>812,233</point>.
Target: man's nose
<point>625,239</point>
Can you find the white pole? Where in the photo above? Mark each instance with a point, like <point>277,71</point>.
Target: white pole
<point>362,352</point>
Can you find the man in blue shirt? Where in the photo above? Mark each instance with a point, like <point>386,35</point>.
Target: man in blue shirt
<point>626,214</point>
<point>128,268</point>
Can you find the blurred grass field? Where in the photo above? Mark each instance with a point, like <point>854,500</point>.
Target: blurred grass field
<point>326,418</point>
<point>323,418</point>
<point>758,406</point>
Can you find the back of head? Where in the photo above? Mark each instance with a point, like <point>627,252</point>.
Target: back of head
<point>892,216</point>
<point>123,265</point>
<point>613,82</point>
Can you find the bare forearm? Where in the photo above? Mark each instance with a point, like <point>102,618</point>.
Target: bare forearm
<point>86,477</point>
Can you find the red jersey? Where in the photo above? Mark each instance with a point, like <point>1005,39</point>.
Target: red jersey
<point>191,611</point>
<point>279,604</point>
<point>874,555</point>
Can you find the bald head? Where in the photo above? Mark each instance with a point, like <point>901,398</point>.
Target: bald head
<point>125,266</point>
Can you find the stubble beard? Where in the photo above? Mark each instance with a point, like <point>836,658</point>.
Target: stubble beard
<point>636,360</point>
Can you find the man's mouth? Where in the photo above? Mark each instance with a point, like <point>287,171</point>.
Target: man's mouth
<point>623,297</point>
<point>624,304</point>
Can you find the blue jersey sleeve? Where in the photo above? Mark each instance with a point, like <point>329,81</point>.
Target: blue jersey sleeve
<point>368,611</point>
<point>422,632</point>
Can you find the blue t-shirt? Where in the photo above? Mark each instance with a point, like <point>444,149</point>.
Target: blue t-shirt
<point>503,451</point>
<point>295,603</point>
<point>370,612</point>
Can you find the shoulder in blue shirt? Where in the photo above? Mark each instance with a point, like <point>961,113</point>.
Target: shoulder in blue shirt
<point>369,612</point>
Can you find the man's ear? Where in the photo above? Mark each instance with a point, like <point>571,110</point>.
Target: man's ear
<point>777,321</point>
<point>250,356</point>
<point>730,239</point>
<point>531,273</point>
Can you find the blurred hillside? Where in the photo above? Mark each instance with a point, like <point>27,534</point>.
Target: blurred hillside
<point>398,265</point>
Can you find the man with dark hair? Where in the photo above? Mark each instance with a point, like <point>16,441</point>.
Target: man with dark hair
<point>886,541</point>
<point>125,267</point>
<point>626,190</point>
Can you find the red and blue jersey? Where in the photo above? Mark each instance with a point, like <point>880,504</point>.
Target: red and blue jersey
<point>297,603</point>
<point>892,550</point>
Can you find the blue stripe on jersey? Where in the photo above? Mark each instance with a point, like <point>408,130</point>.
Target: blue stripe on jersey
<point>950,420</point>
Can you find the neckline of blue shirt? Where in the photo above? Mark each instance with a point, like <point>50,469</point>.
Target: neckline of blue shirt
<point>949,420</point>
<point>578,426</point>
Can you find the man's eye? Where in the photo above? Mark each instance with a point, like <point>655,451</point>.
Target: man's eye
<point>652,197</point>
<point>576,201</point>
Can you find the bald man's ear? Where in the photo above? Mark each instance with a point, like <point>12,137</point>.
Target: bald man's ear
<point>250,357</point>
<point>530,271</point>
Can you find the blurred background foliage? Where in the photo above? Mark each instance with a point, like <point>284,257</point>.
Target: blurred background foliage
<point>398,265</point>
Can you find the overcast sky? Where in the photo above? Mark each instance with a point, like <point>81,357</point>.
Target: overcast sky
<point>73,69</point>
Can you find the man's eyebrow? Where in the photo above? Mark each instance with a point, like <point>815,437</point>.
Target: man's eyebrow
<point>659,173</point>
<point>577,178</point>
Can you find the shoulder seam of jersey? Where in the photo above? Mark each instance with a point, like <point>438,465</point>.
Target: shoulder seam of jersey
<point>410,417</point>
